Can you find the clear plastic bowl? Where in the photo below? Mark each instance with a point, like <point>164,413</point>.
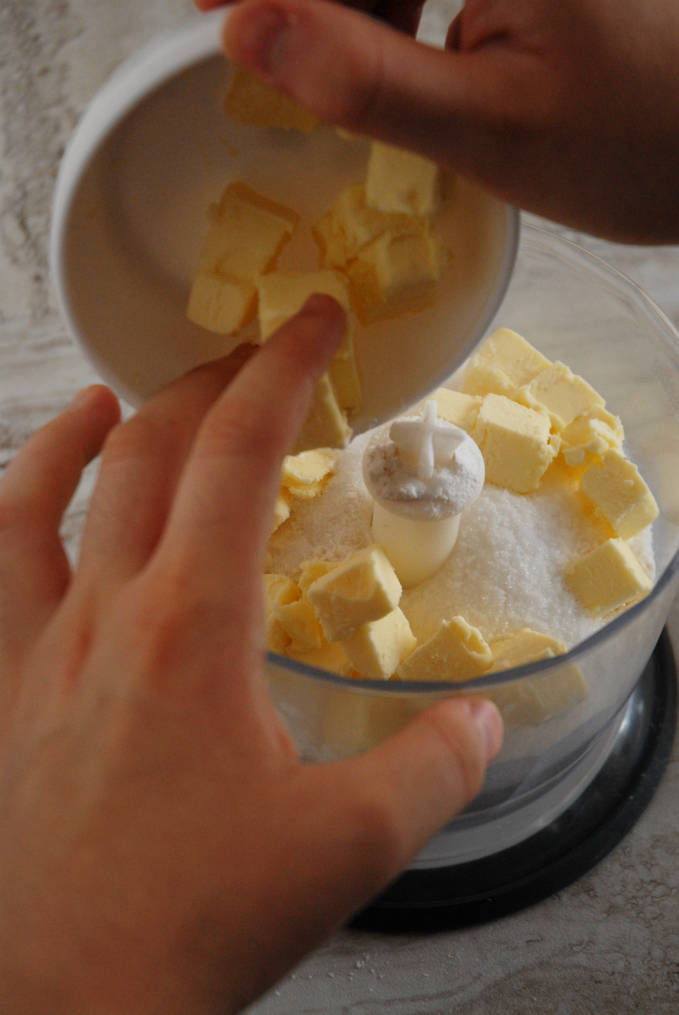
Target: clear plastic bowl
<point>575,308</point>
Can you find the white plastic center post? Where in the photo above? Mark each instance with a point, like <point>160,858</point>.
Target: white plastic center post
<point>421,477</point>
<point>426,442</point>
<point>416,549</point>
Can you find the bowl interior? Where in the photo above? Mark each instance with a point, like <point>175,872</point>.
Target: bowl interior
<point>131,213</point>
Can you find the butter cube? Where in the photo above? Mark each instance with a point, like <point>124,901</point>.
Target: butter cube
<point>246,233</point>
<point>325,425</point>
<point>590,436</point>
<point>300,623</point>
<point>330,657</point>
<point>279,590</point>
<point>620,494</point>
<point>515,441</point>
<point>400,181</point>
<point>457,408</point>
<point>219,304</point>
<point>305,475</point>
<point>396,272</point>
<point>351,225</point>
<point>244,239</point>
<point>251,101</point>
<point>608,578</point>
<point>352,723</point>
<point>310,570</point>
<point>502,364</point>
<point>276,638</point>
<point>533,700</point>
<point>283,293</point>
<point>456,651</point>
<point>377,648</point>
<point>291,624</point>
<point>524,646</point>
<point>331,241</point>
<point>362,588</point>
<point>560,393</point>
<point>281,510</point>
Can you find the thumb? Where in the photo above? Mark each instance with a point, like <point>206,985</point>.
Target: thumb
<point>403,791</point>
<point>354,71</point>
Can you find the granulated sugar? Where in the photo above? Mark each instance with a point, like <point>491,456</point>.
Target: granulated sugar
<point>505,572</point>
<point>506,569</point>
<point>328,527</point>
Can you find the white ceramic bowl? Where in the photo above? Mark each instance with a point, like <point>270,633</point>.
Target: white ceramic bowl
<point>152,151</point>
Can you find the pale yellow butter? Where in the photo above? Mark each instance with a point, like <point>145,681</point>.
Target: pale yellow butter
<point>330,657</point>
<point>524,646</point>
<point>502,364</point>
<point>244,239</point>
<point>619,493</point>
<point>300,623</point>
<point>377,648</point>
<point>279,590</point>
<point>397,272</point>
<point>331,241</point>
<point>400,181</point>
<point>310,570</point>
<point>246,233</point>
<point>560,393</point>
<point>325,424</point>
<point>590,436</point>
<point>306,474</point>
<point>360,589</point>
<point>608,578</point>
<point>456,651</point>
<point>457,408</point>
<point>281,510</point>
<point>291,623</point>
<point>283,293</point>
<point>515,441</point>
<point>351,225</point>
<point>533,700</point>
<point>251,101</point>
<point>220,304</point>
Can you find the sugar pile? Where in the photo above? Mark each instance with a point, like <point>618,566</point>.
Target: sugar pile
<point>505,572</point>
<point>330,526</point>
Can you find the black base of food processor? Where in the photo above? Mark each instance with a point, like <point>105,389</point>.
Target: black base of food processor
<point>449,897</point>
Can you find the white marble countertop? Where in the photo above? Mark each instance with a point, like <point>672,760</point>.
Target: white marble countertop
<point>608,944</point>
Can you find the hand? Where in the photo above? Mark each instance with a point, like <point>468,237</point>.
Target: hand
<point>162,847</point>
<point>566,109</point>
<point>402,14</point>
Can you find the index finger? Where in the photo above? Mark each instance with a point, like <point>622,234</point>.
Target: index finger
<point>222,512</point>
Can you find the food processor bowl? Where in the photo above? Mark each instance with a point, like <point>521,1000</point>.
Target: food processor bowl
<point>577,309</point>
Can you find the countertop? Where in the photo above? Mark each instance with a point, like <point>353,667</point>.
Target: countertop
<point>608,944</point>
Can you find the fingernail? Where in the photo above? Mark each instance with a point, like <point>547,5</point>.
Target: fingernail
<point>488,721</point>
<point>259,40</point>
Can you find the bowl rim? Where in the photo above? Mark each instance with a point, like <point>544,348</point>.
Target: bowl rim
<point>135,78</point>
<point>670,336</point>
